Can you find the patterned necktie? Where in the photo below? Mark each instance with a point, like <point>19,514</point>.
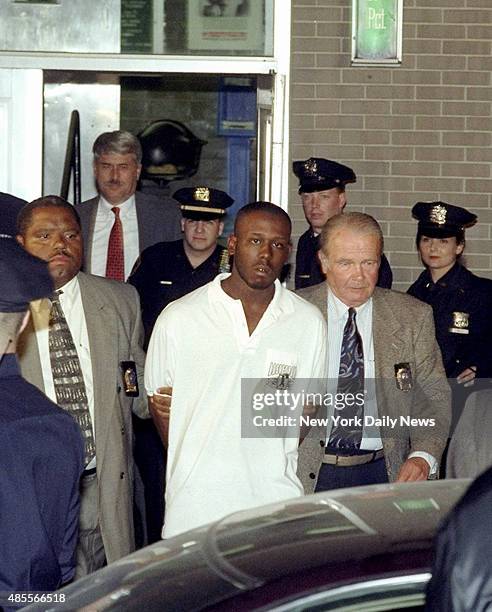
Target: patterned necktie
<point>350,383</point>
<point>67,374</point>
<point>115,262</point>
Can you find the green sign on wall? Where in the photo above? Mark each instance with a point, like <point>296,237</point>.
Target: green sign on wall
<point>376,31</point>
<point>136,26</point>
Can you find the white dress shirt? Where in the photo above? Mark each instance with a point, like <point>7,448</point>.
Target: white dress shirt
<point>71,303</point>
<point>337,318</point>
<point>102,229</point>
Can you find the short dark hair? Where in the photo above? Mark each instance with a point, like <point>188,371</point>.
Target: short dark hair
<point>264,207</point>
<point>25,214</point>
<point>459,234</point>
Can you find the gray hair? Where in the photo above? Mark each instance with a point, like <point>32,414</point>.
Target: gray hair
<point>119,142</point>
<point>355,221</point>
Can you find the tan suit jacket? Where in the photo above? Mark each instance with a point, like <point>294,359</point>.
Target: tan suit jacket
<point>114,327</point>
<point>403,332</point>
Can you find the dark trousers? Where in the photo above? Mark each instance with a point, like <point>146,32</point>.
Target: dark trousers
<point>150,457</point>
<point>336,477</point>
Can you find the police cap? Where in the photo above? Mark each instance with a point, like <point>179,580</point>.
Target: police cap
<point>10,207</point>
<point>442,220</point>
<point>202,202</point>
<point>318,174</point>
<point>23,277</point>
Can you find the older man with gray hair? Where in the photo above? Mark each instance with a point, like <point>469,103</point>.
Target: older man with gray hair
<point>119,223</point>
<point>391,416</point>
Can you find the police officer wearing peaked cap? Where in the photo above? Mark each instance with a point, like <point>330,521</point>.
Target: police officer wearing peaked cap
<point>322,189</point>
<point>461,301</point>
<point>442,220</point>
<point>42,448</point>
<point>168,270</point>
<point>165,272</point>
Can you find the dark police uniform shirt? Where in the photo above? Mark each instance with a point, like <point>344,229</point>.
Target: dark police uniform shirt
<point>464,340</point>
<point>42,455</point>
<point>164,274</point>
<point>308,269</point>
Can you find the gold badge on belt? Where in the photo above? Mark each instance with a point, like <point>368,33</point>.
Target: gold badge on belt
<point>460,323</point>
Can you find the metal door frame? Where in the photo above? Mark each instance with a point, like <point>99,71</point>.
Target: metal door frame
<point>278,66</point>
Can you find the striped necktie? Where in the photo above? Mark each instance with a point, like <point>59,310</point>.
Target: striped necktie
<point>67,374</point>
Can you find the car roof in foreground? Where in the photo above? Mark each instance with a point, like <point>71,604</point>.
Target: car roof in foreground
<point>342,529</point>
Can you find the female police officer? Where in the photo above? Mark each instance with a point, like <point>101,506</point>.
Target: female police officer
<point>461,301</point>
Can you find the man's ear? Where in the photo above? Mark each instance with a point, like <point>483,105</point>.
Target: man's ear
<point>220,229</point>
<point>323,260</point>
<point>342,199</point>
<point>231,244</point>
<point>182,225</point>
<point>20,239</point>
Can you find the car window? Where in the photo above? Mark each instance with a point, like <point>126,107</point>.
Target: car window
<point>397,593</point>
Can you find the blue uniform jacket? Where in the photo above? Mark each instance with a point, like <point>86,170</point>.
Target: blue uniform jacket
<point>460,291</point>
<point>42,455</point>
<point>163,274</point>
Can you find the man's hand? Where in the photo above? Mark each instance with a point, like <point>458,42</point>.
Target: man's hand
<point>467,377</point>
<point>414,468</point>
<point>160,411</point>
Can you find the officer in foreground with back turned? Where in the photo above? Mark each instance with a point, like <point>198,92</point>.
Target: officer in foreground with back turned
<point>42,450</point>
<point>322,189</point>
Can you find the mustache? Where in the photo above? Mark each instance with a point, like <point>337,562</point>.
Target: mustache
<point>61,252</point>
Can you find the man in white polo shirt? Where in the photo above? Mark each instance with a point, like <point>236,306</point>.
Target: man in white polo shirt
<point>242,325</point>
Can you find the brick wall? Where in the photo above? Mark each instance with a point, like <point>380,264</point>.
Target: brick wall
<point>418,131</point>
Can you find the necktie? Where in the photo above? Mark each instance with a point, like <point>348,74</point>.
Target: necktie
<point>115,262</point>
<point>67,374</point>
<point>348,434</point>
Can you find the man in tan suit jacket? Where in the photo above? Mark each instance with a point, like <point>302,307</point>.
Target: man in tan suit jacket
<point>410,381</point>
<point>50,229</point>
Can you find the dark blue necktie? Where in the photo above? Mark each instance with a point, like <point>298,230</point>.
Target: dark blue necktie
<point>350,389</point>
